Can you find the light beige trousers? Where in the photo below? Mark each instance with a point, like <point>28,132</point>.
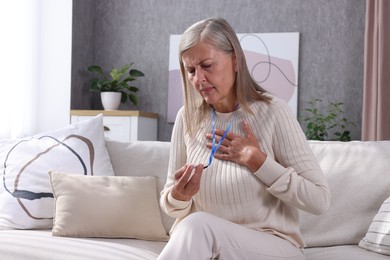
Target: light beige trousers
<point>202,236</point>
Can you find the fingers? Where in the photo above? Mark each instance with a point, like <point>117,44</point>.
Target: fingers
<point>187,174</point>
<point>187,182</point>
<point>223,156</point>
<point>247,129</point>
<point>183,175</point>
<point>195,180</point>
<point>218,135</point>
<point>230,135</point>
<point>242,147</point>
<point>179,173</point>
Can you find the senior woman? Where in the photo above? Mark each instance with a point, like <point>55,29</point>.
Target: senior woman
<point>240,166</point>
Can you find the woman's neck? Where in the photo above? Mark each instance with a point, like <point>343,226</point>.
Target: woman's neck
<point>226,107</point>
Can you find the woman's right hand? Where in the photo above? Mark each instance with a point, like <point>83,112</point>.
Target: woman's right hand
<point>186,186</point>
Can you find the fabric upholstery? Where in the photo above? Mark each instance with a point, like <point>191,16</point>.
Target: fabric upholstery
<point>344,252</point>
<point>40,244</point>
<point>142,158</point>
<point>359,179</point>
<point>106,206</point>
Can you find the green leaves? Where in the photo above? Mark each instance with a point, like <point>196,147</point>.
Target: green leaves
<point>95,69</point>
<point>330,125</point>
<point>128,96</point>
<point>116,80</point>
<point>135,73</point>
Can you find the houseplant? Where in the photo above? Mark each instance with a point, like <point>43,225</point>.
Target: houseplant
<point>115,83</point>
<point>331,125</point>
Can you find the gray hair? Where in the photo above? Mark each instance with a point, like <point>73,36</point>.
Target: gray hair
<point>218,33</point>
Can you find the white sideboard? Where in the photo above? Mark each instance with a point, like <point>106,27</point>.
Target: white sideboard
<point>122,125</point>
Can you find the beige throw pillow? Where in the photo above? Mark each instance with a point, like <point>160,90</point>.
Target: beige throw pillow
<point>106,206</point>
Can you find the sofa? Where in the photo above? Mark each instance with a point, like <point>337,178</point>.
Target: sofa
<point>358,175</point>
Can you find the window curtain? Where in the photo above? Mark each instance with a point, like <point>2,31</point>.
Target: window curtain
<point>376,95</point>
<point>18,67</point>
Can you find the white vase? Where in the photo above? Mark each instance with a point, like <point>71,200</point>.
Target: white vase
<point>111,100</point>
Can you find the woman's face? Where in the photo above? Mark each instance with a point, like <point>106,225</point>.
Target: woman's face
<point>212,73</point>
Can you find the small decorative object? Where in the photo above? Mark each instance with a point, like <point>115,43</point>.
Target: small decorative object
<point>319,125</point>
<point>114,86</point>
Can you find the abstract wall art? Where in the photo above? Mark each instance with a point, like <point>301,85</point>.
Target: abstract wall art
<point>272,59</point>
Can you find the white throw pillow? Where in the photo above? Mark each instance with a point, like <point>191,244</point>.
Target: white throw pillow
<point>377,238</point>
<point>106,206</point>
<point>26,199</point>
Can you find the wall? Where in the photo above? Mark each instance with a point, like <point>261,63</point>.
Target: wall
<point>115,32</point>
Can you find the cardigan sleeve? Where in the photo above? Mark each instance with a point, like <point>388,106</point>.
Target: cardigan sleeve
<point>177,158</point>
<point>293,174</point>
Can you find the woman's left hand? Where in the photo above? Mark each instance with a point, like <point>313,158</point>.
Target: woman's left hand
<point>244,150</point>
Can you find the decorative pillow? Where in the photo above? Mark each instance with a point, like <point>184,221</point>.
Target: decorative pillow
<point>109,206</point>
<point>377,238</point>
<point>26,199</point>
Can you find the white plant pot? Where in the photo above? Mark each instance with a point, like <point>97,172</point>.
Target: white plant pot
<point>111,100</point>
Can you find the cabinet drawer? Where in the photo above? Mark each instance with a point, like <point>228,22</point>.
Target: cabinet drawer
<point>124,128</point>
<point>117,128</point>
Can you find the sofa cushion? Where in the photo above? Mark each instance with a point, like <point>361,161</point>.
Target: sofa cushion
<point>345,252</point>
<point>40,244</point>
<point>142,158</point>
<point>359,180</point>
<point>106,206</point>
<point>377,238</point>
<point>26,199</point>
